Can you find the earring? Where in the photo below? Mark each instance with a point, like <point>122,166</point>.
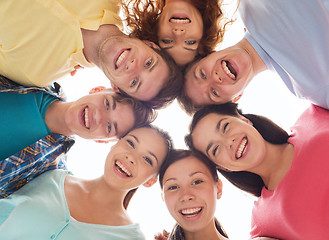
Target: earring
<point>96,89</point>
<point>150,182</point>
<point>237,98</point>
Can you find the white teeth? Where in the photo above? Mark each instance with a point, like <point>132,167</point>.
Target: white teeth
<point>191,212</point>
<point>121,58</point>
<point>178,20</point>
<point>227,70</point>
<point>242,148</point>
<point>123,168</point>
<point>86,117</point>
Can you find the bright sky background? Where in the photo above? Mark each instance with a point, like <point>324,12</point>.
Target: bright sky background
<point>266,95</point>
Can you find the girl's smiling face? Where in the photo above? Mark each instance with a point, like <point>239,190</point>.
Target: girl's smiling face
<point>191,195</point>
<point>180,30</point>
<point>230,142</point>
<point>135,159</point>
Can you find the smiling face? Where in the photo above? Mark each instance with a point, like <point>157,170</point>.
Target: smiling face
<point>133,66</point>
<point>135,158</point>
<point>99,116</point>
<point>219,77</point>
<point>230,142</point>
<point>191,195</point>
<point>180,30</point>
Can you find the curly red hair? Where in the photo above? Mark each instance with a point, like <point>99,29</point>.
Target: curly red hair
<point>142,21</point>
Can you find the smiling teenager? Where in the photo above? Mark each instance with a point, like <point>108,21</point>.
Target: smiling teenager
<point>66,207</point>
<point>191,196</point>
<point>87,34</point>
<point>32,115</point>
<point>183,28</point>
<point>259,157</point>
<point>277,39</point>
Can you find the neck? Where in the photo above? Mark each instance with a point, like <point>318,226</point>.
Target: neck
<point>276,165</point>
<point>55,118</point>
<point>99,191</point>
<point>210,232</point>
<point>92,40</point>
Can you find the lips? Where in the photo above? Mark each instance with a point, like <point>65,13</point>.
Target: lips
<point>120,60</point>
<point>191,212</point>
<point>85,117</point>
<point>123,170</point>
<point>241,149</point>
<point>229,69</point>
<point>179,20</point>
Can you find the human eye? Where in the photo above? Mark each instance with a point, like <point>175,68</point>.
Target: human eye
<point>131,143</point>
<point>215,93</point>
<point>109,127</point>
<point>174,187</point>
<point>214,151</point>
<point>203,75</point>
<point>166,41</point>
<point>133,83</point>
<point>191,42</point>
<point>225,127</point>
<point>107,104</point>
<point>148,63</point>
<point>197,182</point>
<point>148,160</point>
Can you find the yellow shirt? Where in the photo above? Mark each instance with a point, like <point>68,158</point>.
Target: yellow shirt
<point>41,40</point>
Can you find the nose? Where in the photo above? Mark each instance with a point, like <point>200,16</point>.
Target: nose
<point>131,65</point>
<point>178,31</point>
<point>186,196</point>
<point>130,158</point>
<point>216,77</point>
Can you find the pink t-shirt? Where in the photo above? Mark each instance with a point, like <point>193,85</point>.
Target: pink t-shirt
<point>299,206</point>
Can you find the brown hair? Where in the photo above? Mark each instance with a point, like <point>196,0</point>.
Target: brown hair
<point>143,114</point>
<point>142,21</point>
<point>184,101</point>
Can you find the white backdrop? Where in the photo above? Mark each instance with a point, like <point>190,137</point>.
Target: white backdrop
<point>266,95</point>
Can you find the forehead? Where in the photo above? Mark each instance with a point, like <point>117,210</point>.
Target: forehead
<point>191,166</point>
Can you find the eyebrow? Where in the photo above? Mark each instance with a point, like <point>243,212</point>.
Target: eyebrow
<point>137,140</point>
<point>216,130</point>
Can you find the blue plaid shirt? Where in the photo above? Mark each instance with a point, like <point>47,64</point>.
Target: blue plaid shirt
<point>45,154</point>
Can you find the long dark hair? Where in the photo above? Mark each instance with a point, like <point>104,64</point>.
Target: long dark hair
<point>175,155</point>
<point>271,132</point>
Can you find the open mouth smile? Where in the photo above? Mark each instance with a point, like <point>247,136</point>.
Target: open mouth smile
<point>191,212</point>
<point>121,58</point>
<point>85,117</point>
<point>241,148</point>
<point>122,169</point>
<point>179,20</point>
<point>228,69</point>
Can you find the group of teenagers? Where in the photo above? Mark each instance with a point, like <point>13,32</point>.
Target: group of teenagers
<point>166,52</point>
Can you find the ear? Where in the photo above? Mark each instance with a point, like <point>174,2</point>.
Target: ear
<point>150,182</point>
<point>245,120</point>
<point>151,44</point>
<point>115,88</point>
<point>219,186</point>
